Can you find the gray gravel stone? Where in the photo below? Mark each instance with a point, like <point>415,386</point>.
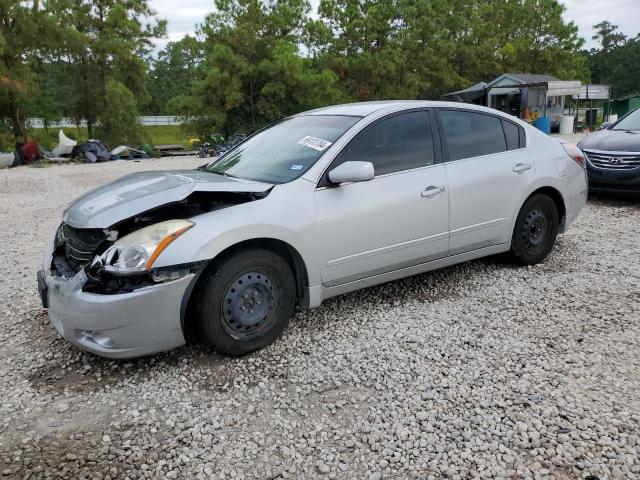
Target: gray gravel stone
<point>481,370</point>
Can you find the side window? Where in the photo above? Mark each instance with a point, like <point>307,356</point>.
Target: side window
<point>512,134</point>
<point>470,134</point>
<point>397,143</point>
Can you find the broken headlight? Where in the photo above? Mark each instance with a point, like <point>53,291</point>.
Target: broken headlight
<point>138,251</point>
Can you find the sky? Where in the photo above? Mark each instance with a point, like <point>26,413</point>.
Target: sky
<point>584,13</point>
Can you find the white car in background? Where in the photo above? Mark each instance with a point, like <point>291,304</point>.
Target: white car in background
<point>319,204</point>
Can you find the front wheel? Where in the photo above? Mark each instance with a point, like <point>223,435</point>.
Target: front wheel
<point>535,231</point>
<point>245,301</point>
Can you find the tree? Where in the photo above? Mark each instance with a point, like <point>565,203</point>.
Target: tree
<point>25,29</point>
<point>423,48</point>
<point>172,74</point>
<point>253,73</point>
<point>364,50</point>
<point>110,43</point>
<point>625,76</point>
<point>291,85</point>
<point>119,123</point>
<point>617,60</point>
<point>608,36</point>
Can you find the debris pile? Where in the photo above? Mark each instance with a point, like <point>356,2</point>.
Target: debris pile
<point>91,151</point>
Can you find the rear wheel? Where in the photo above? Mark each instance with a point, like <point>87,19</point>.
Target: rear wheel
<point>246,301</point>
<point>535,231</point>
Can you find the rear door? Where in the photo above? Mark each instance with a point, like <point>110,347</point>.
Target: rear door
<point>398,219</point>
<point>488,168</point>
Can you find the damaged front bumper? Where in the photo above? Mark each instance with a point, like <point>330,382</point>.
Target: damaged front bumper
<point>141,322</point>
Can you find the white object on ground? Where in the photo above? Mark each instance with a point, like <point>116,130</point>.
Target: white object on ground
<point>6,159</point>
<point>65,145</point>
<point>119,150</point>
<point>566,125</point>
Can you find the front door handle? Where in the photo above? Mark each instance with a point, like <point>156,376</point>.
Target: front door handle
<point>521,167</point>
<point>432,191</point>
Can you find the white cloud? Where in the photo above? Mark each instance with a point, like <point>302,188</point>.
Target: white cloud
<point>586,13</point>
<point>182,19</point>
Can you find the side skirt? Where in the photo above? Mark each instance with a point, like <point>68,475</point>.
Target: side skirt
<point>319,293</point>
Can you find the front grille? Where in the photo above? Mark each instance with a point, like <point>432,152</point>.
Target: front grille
<point>611,161</point>
<point>80,244</point>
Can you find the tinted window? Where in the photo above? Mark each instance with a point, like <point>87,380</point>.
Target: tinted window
<point>470,134</point>
<point>397,143</point>
<point>512,134</point>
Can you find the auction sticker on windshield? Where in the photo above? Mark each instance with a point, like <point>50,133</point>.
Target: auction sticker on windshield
<point>315,143</point>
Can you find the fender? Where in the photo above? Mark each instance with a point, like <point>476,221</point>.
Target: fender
<point>274,217</point>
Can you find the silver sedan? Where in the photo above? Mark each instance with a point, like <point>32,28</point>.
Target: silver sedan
<point>319,204</point>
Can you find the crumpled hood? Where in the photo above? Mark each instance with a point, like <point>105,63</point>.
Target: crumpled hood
<point>612,140</point>
<point>139,192</point>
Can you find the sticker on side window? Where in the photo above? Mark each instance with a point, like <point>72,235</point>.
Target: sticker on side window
<point>315,143</point>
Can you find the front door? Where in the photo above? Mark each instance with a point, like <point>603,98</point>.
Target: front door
<point>398,219</point>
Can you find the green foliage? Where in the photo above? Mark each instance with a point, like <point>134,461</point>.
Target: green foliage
<point>119,124</point>
<point>254,73</point>
<point>111,45</point>
<point>419,49</point>
<point>172,75</point>
<point>60,58</point>
<point>617,61</point>
<point>252,62</point>
<point>155,135</point>
<point>23,26</point>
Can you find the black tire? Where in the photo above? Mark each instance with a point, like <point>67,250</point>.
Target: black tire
<point>535,230</point>
<point>235,295</point>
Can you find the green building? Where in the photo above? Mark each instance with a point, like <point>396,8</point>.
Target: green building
<point>623,105</point>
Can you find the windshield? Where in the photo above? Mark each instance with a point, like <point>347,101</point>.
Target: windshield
<point>285,151</point>
<point>630,122</point>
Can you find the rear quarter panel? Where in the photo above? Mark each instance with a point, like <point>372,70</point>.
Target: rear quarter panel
<point>554,168</point>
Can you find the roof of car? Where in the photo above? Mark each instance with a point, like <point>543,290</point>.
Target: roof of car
<point>362,109</point>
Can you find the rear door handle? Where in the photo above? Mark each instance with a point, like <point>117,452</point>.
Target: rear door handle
<point>521,167</point>
<point>432,191</point>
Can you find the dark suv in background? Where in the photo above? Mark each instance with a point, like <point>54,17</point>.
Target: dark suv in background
<point>613,155</point>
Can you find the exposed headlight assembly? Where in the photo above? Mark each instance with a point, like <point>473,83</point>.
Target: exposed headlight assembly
<point>138,251</point>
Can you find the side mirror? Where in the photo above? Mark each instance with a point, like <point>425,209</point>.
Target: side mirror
<point>605,125</point>
<point>349,172</point>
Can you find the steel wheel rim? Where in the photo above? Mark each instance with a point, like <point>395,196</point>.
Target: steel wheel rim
<point>247,304</point>
<point>535,230</point>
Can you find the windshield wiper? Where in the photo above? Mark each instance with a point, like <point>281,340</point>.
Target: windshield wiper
<point>224,174</point>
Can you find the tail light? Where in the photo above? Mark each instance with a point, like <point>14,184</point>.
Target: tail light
<point>574,152</point>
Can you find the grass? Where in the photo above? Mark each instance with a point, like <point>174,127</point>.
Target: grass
<point>168,135</point>
<point>157,135</point>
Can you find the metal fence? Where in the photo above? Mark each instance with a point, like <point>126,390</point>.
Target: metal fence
<point>146,120</point>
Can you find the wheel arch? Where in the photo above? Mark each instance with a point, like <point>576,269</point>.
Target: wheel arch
<point>289,253</point>
<point>557,198</point>
<point>554,193</point>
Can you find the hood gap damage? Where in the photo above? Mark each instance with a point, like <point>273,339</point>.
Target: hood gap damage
<point>76,247</point>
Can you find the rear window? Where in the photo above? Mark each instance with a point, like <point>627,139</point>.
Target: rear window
<point>471,134</point>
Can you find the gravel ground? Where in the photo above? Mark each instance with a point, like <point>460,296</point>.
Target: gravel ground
<point>476,371</point>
